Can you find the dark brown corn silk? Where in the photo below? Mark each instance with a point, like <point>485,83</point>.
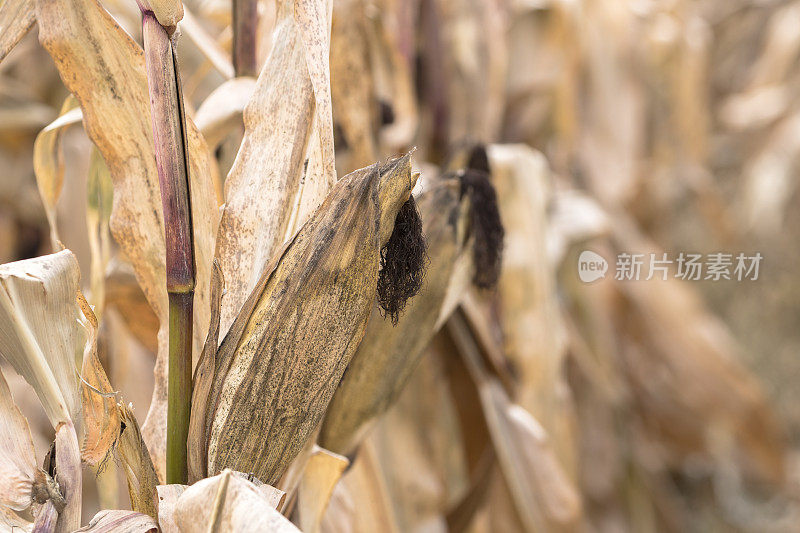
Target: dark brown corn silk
<point>270,381</point>
<point>403,260</point>
<point>389,353</point>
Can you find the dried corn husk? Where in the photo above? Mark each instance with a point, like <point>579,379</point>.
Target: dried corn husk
<point>16,18</point>
<point>453,210</point>
<point>17,459</point>
<point>119,521</point>
<point>277,368</point>
<point>228,502</point>
<point>388,354</point>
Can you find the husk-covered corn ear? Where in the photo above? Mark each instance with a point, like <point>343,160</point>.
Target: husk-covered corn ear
<point>274,373</point>
<point>458,211</point>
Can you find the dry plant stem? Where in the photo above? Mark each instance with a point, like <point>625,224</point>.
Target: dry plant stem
<point>166,105</point>
<point>245,31</point>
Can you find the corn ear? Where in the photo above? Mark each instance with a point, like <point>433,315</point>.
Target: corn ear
<point>454,217</point>
<point>277,368</point>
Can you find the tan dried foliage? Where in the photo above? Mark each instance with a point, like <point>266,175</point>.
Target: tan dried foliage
<point>260,411</point>
<point>112,92</point>
<point>389,353</point>
<point>275,184</point>
<point>228,502</point>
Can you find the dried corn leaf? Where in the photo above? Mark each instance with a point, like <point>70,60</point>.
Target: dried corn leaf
<point>532,332</point>
<point>101,420</point>
<point>167,499</point>
<point>271,177</point>
<point>41,335</point>
<point>388,354</point>
<point>113,94</point>
<point>542,493</point>
<point>228,502</point>
<point>119,521</point>
<point>222,110</point>
<point>48,162</point>
<point>99,198</point>
<point>323,470</point>
<point>138,467</point>
<point>352,92</point>
<point>360,502</point>
<point>17,457</point>
<point>16,18</point>
<point>298,330</point>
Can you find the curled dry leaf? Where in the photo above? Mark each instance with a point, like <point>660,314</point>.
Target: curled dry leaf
<point>120,521</point>
<point>137,465</point>
<point>41,334</point>
<point>48,162</point>
<point>112,91</point>
<point>222,110</point>
<point>277,368</point>
<point>228,502</point>
<point>273,180</point>
<point>16,18</point>
<point>101,420</point>
<point>323,470</point>
<point>17,457</point>
<point>543,495</point>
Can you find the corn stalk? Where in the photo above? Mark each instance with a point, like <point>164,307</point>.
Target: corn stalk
<point>166,105</point>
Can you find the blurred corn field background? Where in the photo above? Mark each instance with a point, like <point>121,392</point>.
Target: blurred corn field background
<point>348,376</point>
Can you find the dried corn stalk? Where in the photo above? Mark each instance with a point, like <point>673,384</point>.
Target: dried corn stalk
<point>113,94</point>
<point>276,370</point>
